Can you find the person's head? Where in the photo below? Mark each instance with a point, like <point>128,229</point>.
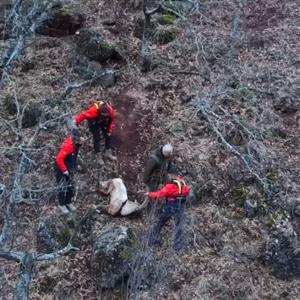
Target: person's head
<point>167,150</point>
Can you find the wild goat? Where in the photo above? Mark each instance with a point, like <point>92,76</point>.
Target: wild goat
<point>119,202</point>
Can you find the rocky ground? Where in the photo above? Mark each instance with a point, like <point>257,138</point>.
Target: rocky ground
<point>222,86</point>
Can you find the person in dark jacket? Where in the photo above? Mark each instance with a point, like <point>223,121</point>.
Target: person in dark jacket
<point>65,167</point>
<point>175,193</point>
<point>101,118</point>
<point>158,166</point>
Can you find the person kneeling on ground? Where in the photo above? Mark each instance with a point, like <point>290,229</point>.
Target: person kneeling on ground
<point>175,192</point>
<point>157,167</point>
<point>119,203</point>
<point>101,118</point>
<point>65,167</point>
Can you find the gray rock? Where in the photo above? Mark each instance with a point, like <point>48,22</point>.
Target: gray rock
<point>288,100</point>
<point>91,44</point>
<point>94,72</point>
<point>282,252</point>
<point>113,248</point>
<point>238,173</point>
<point>62,21</point>
<point>294,206</point>
<point>31,114</point>
<point>250,208</point>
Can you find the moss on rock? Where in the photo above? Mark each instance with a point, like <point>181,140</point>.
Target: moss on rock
<point>166,35</point>
<point>239,194</point>
<point>62,21</point>
<point>91,44</point>
<point>64,236</point>
<point>166,19</point>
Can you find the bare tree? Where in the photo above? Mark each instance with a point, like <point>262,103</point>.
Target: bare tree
<point>12,197</point>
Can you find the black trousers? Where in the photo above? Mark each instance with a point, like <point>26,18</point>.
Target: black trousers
<point>170,210</point>
<point>65,185</point>
<point>97,130</point>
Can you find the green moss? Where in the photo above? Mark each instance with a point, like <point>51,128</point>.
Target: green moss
<point>68,10</point>
<point>106,46</point>
<point>271,176</point>
<point>64,236</point>
<point>169,4</point>
<point>166,19</point>
<point>240,193</point>
<point>166,35</point>
<point>278,214</point>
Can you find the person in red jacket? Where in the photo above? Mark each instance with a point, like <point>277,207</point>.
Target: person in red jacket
<point>65,167</point>
<point>175,193</point>
<point>101,118</point>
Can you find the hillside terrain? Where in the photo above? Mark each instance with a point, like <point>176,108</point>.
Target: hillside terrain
<point>219,80</point>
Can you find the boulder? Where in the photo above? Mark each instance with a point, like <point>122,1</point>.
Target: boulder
<point>282,252</point>
<point>94,72</point>
<point>91,44</point>
<point>31,113</point>
<point>294,206</point>
<point>238,173</point>
<point>287,100</point>
<point>165,35</point>
<point>113,248</point>
<point>62,20</point>
<point>166,19</point>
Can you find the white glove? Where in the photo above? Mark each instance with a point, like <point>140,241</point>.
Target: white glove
<point>66,173</point>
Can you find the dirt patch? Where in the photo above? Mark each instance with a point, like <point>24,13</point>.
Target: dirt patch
<point>132,135</point>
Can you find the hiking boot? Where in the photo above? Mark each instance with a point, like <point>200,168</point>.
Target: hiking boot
<point>99,159</point>
<point>71,207</point>
<point>63,209</point>
<point>108,154</point>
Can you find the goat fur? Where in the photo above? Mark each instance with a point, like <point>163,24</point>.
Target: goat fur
<point>117,192</point>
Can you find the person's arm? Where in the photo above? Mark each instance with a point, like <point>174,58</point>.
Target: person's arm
<point>167,190</point>
<point>111,120</point>
<point>67,149</point>
<point>90,113</point>
<point>171,168</point>
<point>150,165</point>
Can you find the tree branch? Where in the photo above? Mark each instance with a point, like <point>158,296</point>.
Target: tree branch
<point>56,254</point>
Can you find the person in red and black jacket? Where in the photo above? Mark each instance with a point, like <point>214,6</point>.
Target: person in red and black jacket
<point>65,167</point>
<point>175,193</point>
<point>101,117</point>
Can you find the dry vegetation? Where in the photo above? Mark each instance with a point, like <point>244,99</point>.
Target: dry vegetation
<point>225,92</point>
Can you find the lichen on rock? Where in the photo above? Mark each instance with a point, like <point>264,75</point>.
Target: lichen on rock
<point>113,248</point>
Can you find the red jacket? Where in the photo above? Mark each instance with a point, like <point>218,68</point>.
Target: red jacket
<point>67,148</point>
<point>93,113</point>
<point>171,190</point>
